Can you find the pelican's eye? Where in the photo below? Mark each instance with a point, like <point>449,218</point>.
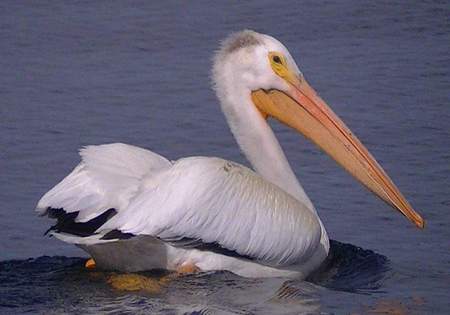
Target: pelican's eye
<point>277,59</point>
<point>278,63</point>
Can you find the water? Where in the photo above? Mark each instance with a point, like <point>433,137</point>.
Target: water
<point>73,74</point>
<point>60,284</point>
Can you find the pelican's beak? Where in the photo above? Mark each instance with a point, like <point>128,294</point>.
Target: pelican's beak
<point>302,109</point>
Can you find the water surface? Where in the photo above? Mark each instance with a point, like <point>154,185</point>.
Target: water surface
<point>79,73</point>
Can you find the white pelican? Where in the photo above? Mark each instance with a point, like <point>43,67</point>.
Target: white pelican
<point>132,209</point>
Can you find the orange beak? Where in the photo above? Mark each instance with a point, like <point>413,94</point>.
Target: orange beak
<point>302,109</point>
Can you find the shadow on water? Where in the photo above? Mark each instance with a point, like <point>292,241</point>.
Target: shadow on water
<point>62,284</point>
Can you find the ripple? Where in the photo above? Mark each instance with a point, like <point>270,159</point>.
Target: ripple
<point>62,284</point>
<point>352,269</point>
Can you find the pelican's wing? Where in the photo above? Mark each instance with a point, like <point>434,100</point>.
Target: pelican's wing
<point>103,184</point>
<point>209,202</point>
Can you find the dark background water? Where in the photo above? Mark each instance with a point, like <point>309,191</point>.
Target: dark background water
<point>78,73</point>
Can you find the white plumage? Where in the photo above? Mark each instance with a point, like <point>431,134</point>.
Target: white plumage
<point>133,209</point>
<point>210,199</point>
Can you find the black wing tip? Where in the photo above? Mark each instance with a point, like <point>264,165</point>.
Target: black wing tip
<point>117,235</point>
<point>66,222</point>
<point>199,244</point>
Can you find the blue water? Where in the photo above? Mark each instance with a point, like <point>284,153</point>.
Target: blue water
<point>78,73</point>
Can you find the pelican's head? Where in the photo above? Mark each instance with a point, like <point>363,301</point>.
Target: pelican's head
<point>249,61</point>
<point>258,68</point>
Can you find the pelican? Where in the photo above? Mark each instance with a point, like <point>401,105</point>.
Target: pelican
<point>132,209</point>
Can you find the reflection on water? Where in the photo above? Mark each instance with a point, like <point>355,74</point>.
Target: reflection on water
<point>62,284</point>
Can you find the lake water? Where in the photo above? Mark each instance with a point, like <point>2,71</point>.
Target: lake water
<point>79,73</point>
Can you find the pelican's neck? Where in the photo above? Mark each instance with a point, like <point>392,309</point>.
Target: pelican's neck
<point>259,144</point>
